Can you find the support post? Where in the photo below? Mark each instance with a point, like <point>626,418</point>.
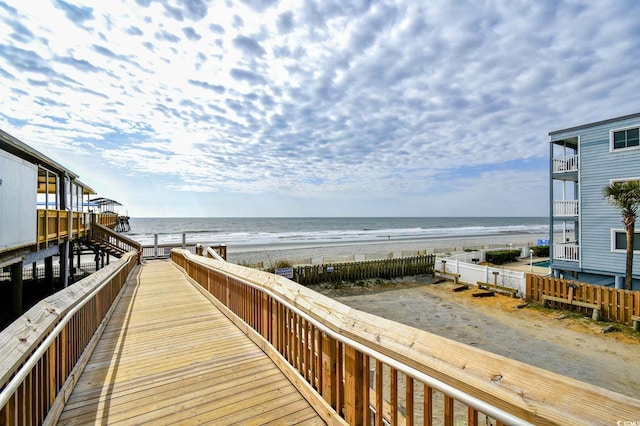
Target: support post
<point>64,264</point>
<point>72,269</point>
<point>16,282</point>
<point>96,258</point>
<point>48,271</point>
<point>79,259</point>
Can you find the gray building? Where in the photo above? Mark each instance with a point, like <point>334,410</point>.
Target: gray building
<point>589,243</point>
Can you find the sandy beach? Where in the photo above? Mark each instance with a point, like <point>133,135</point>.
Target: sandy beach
<point>569,345</point>
<point>328,252</point>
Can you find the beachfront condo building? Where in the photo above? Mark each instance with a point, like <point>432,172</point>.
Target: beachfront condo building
<point>588,243</point>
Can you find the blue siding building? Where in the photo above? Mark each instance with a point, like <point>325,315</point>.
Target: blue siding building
<point>584,160</point>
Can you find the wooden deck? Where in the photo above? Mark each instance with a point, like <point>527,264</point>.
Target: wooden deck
<point>169,356</point>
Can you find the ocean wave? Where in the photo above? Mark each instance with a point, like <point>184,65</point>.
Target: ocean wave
<point>257,238</point>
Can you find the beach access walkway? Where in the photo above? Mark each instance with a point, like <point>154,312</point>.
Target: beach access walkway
<point>169,356</point>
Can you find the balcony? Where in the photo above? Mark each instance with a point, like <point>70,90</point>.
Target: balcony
<point>566,208</point>
<point>565,164</point>
<point>569,252</point>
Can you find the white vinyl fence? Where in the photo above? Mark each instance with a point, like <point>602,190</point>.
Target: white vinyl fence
<point>465,266</point>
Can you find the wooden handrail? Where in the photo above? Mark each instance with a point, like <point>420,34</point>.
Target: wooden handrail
<point>44,350</point>
<point>336,350</point>
<point>114,239</point>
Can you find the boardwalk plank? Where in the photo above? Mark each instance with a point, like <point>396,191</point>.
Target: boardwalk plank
<point>169,356</point>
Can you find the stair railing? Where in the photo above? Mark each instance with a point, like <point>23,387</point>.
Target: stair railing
<point>114,239</point>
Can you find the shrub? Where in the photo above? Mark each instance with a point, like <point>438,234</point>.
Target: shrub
<point>500,257</point>
<point>540,251</point>
<point>283,263</point>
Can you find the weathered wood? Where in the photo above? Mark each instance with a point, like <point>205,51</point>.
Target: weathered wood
<point>508,290</point>
<point>460,288</point>
<point>483,294</point>
<point>356,271</point>
<point>614,304</point>
<point>568,302</point>
<point>444,274</point>
<point>636,322</point>
<point>596,308</point>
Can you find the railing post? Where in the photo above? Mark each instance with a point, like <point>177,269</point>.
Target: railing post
<point>266,323</point>
<point>329,367</point>
<point>354,385</point>
<point>155,246</point>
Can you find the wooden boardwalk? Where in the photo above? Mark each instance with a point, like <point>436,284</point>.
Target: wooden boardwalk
<point>168,356</point>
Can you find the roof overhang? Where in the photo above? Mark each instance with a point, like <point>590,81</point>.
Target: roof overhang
<point>21,150</point>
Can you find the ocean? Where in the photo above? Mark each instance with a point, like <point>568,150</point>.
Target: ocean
<point>246,234</point>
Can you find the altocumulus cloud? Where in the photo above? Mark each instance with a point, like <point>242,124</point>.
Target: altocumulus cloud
<point>422,104</point>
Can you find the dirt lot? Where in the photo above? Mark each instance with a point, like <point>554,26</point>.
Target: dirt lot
<point>562,342</point>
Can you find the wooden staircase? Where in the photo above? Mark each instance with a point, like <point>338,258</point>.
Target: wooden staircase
<point>110,241</point>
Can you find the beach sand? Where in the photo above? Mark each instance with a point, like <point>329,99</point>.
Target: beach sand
<point>573,346</point>
<point>327,252</point>
<point>566,344</point>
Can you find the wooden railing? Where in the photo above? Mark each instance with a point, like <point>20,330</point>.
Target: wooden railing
<point>110,220</point>
<point>163,251</point>
<point>615,304</point>
<point>358,368</point>
<point>113,239</point>
<point>54,225</point>
<point>44,350</point>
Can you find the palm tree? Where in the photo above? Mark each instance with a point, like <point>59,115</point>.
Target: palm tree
<point>626,196</point>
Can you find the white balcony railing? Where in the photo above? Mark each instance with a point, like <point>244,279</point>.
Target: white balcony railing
<point>565,164</point>
<point>566,208</point>
<point>569,252</point>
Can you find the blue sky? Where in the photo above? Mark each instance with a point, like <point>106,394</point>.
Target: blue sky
<point>313,108</point>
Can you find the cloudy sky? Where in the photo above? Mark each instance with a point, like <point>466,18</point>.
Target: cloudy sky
<point>314,107</point>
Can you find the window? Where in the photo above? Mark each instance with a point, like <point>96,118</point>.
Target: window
<point>625,138</point>
<point>619,240</point>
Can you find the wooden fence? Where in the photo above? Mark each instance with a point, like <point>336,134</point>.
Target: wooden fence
<point>616,304</point>
<point>356,271</point>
